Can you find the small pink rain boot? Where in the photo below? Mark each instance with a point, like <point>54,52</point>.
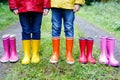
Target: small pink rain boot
<point>110,49</point>
<point>14,55</point>
<point>103,58</point>
<point>6,45</point>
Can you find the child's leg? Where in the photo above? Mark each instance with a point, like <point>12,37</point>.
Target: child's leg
<point>68,18</point>
<point>56,30</point>
<point>26,43</point>
<point>36,19</point>
<point>56,22</point>
<point>25,23</point>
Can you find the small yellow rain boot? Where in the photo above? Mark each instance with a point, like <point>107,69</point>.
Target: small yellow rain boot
<point>26,49</point>
<point>35,54</point>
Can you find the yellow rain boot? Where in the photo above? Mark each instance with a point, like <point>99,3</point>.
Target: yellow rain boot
<point>35,54</point>
<point>26,49</point>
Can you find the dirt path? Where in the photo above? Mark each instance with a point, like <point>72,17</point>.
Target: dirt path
<point>86,27</point>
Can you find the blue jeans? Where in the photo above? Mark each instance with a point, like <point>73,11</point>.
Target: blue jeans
<point>31,25</point>
<point>68,20</point>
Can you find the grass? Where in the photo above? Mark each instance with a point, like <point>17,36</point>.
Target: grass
<point>7,18</point>
<point>104,16</point>
<point>61,71</point>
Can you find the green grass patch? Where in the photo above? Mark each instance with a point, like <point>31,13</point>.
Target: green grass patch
<point>7,18</point>
<point>104,16</point>
<point>61,71</point>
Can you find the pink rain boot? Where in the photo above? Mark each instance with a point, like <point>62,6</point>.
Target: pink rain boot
<point>110,49</point>
<point>14,55</point>
<point>6,45</point>
<point>103,57</point>
<point>82,46</point>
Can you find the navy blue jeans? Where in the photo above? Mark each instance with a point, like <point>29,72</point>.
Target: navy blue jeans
<point>31,25</point>
<point>65,15</point>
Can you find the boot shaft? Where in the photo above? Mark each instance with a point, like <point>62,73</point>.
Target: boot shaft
<point>56,45</point>
<point>35,46</point>
<point>69,45</point>
<point>82,46</point>
<point>110,45</point>
<point>103,47</point>
<point>26,46</point>
<point>13,44</point>
<point>6,42</point>
<point>90,42</point>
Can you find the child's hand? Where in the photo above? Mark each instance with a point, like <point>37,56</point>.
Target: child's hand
<point>76,8</point>
<point>45,12</point>
<point>15,11</point>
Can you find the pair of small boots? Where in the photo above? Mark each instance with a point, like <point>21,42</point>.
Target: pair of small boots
<point>56,50</point>
<point>86,46</point>
<point>9,44</point>
<point>107,51</point>
<point>28,47</point>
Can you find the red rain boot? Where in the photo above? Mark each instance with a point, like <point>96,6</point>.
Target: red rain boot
<point>89,51</point>
<point>6,45</point>
<point>14,55</point>
<point>82,46</point>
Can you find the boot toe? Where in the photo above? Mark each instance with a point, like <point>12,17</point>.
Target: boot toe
<point>53,59</point>
<point>102,61</point>
<point>3,59</point>
<point>35,60</point>
<point>70,60</point>
<point>14,59</point>
<point>25,61</point>
<point>92,61</point>
<point>114,64</point>
<point>82,60</point>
